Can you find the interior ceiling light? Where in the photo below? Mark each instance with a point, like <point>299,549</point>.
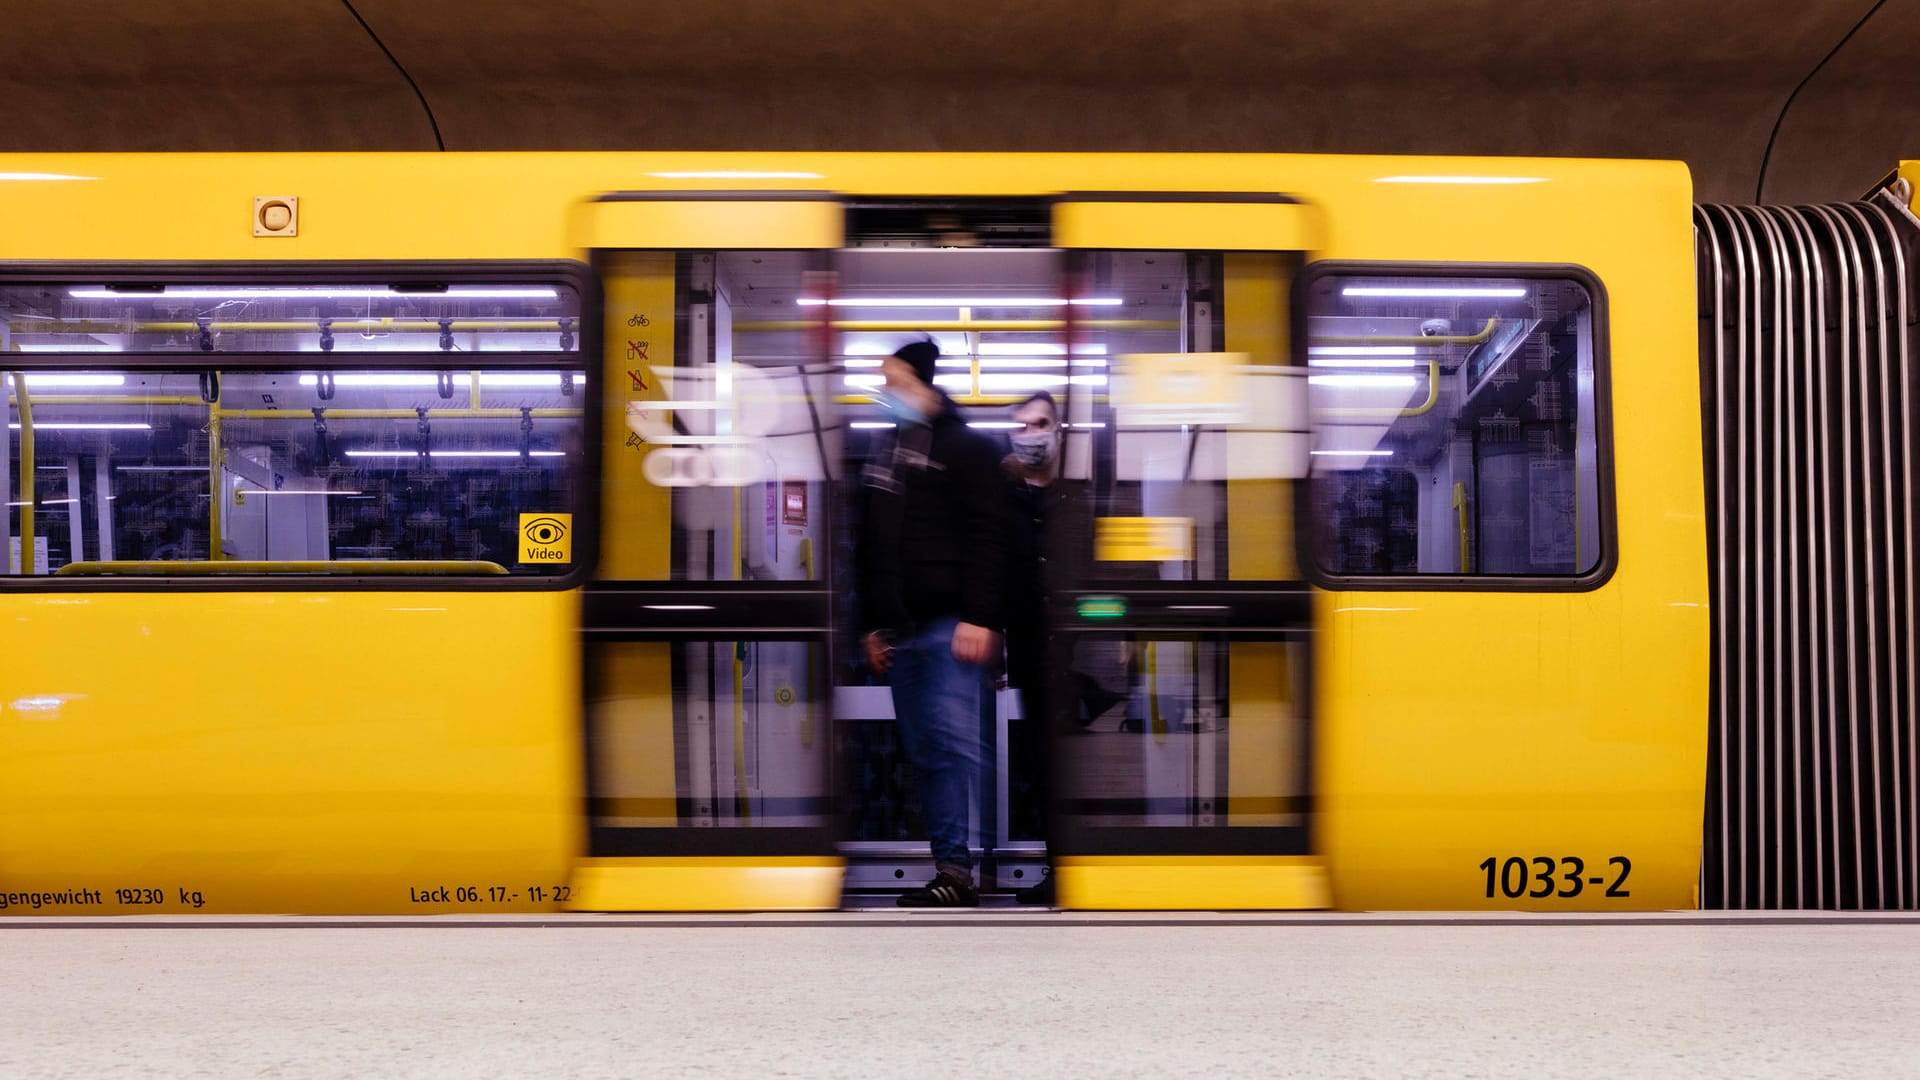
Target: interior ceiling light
<point>1352,453</point>
<point>295,491</point>
<point>1376,382</point>
<point>307,292</point>
<point>1362,361</point>
<point>1459,179</point>
<point>36,381</point>
<point>415,380</point>
<point>1362,356</point>
<point>58,426</point>
<point>452,453</point>
<point>1432,292</point>
<point>68,347</point>
<point>959,301</point>
<point>735,174</point>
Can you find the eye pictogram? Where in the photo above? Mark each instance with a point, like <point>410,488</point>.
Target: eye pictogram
<point>545,531</point>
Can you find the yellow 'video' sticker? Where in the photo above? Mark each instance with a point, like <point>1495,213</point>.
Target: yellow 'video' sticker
<point>546,538</point>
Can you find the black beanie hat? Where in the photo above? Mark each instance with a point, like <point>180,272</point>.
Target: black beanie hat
<point>921,355</point>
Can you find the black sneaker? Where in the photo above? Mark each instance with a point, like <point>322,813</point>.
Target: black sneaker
<point>945,890</point>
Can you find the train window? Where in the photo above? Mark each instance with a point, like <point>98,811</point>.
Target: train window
<point>436,472</point>
<point>733,421</point>
<point>1456,425</point>
<point>383,459</point>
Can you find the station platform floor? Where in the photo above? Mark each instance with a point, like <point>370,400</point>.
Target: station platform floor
<point>991,993</point>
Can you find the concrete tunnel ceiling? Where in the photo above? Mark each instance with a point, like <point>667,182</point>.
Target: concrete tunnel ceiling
<point>1703,82</point>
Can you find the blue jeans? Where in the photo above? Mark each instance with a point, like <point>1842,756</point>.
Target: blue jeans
<point>937,701</point>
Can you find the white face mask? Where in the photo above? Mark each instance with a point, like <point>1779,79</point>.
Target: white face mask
<point>1034,449</point>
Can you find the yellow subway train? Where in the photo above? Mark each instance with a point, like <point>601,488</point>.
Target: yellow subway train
<point>472,533</point>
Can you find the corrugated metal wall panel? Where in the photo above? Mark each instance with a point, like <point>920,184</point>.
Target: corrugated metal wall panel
<point>1807,346</point>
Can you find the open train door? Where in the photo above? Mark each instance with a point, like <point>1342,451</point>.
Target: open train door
<point>1181,730</point>
<point>707,626</point>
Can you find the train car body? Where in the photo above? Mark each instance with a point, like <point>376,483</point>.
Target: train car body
<point>1397,598</point>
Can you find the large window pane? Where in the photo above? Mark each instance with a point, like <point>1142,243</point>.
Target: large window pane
<point>294,468</point>
<point>1455,426</point>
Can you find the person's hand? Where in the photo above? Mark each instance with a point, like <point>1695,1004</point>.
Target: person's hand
<point>974,644</point>
<point>879,653</point>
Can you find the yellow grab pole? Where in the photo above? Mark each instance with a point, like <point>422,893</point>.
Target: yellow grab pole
<point>216,456</point>
<point>26,471</point>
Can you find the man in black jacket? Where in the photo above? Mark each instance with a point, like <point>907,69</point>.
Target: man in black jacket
<point>932,569</point>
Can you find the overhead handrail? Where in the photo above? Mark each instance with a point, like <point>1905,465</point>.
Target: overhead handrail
<point>221,567</point>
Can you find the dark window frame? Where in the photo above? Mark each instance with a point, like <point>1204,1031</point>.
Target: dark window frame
<point>1305,497</point>
<point>567,273</point>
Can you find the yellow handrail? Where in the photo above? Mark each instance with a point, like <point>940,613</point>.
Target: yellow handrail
<point>213,568</point>
<point>1460,511</point>
<point>216,476</point>
<point>25,403</point>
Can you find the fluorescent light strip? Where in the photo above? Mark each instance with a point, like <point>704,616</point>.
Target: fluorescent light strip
<point>56,426</point>
<point>985,348</point>
<point>43,176</point>
<point>415,380</point>
<point>735,174</point>
<point>995,425</point>
<point>1360,350</point>
<point>164,468</point>
<point>865,424</point>
<point>1352,453</point>
<point>453,453</point>
<point>678,607</point>
<point>38,381</point>
<point>1378,382</point>
<point>959,301</point>
<point>43,502</point>
<point>294,491</point>
<point>63,347</point>
<point>312,292</point>
<point>1433,292</point>
<point>1459,179</point>
<point>1363,362</point>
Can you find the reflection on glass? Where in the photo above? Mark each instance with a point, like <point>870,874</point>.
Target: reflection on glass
<point>743,719</point>
<point>295,467</point>
<point>1184,733</point>
<point>1454,425</point>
